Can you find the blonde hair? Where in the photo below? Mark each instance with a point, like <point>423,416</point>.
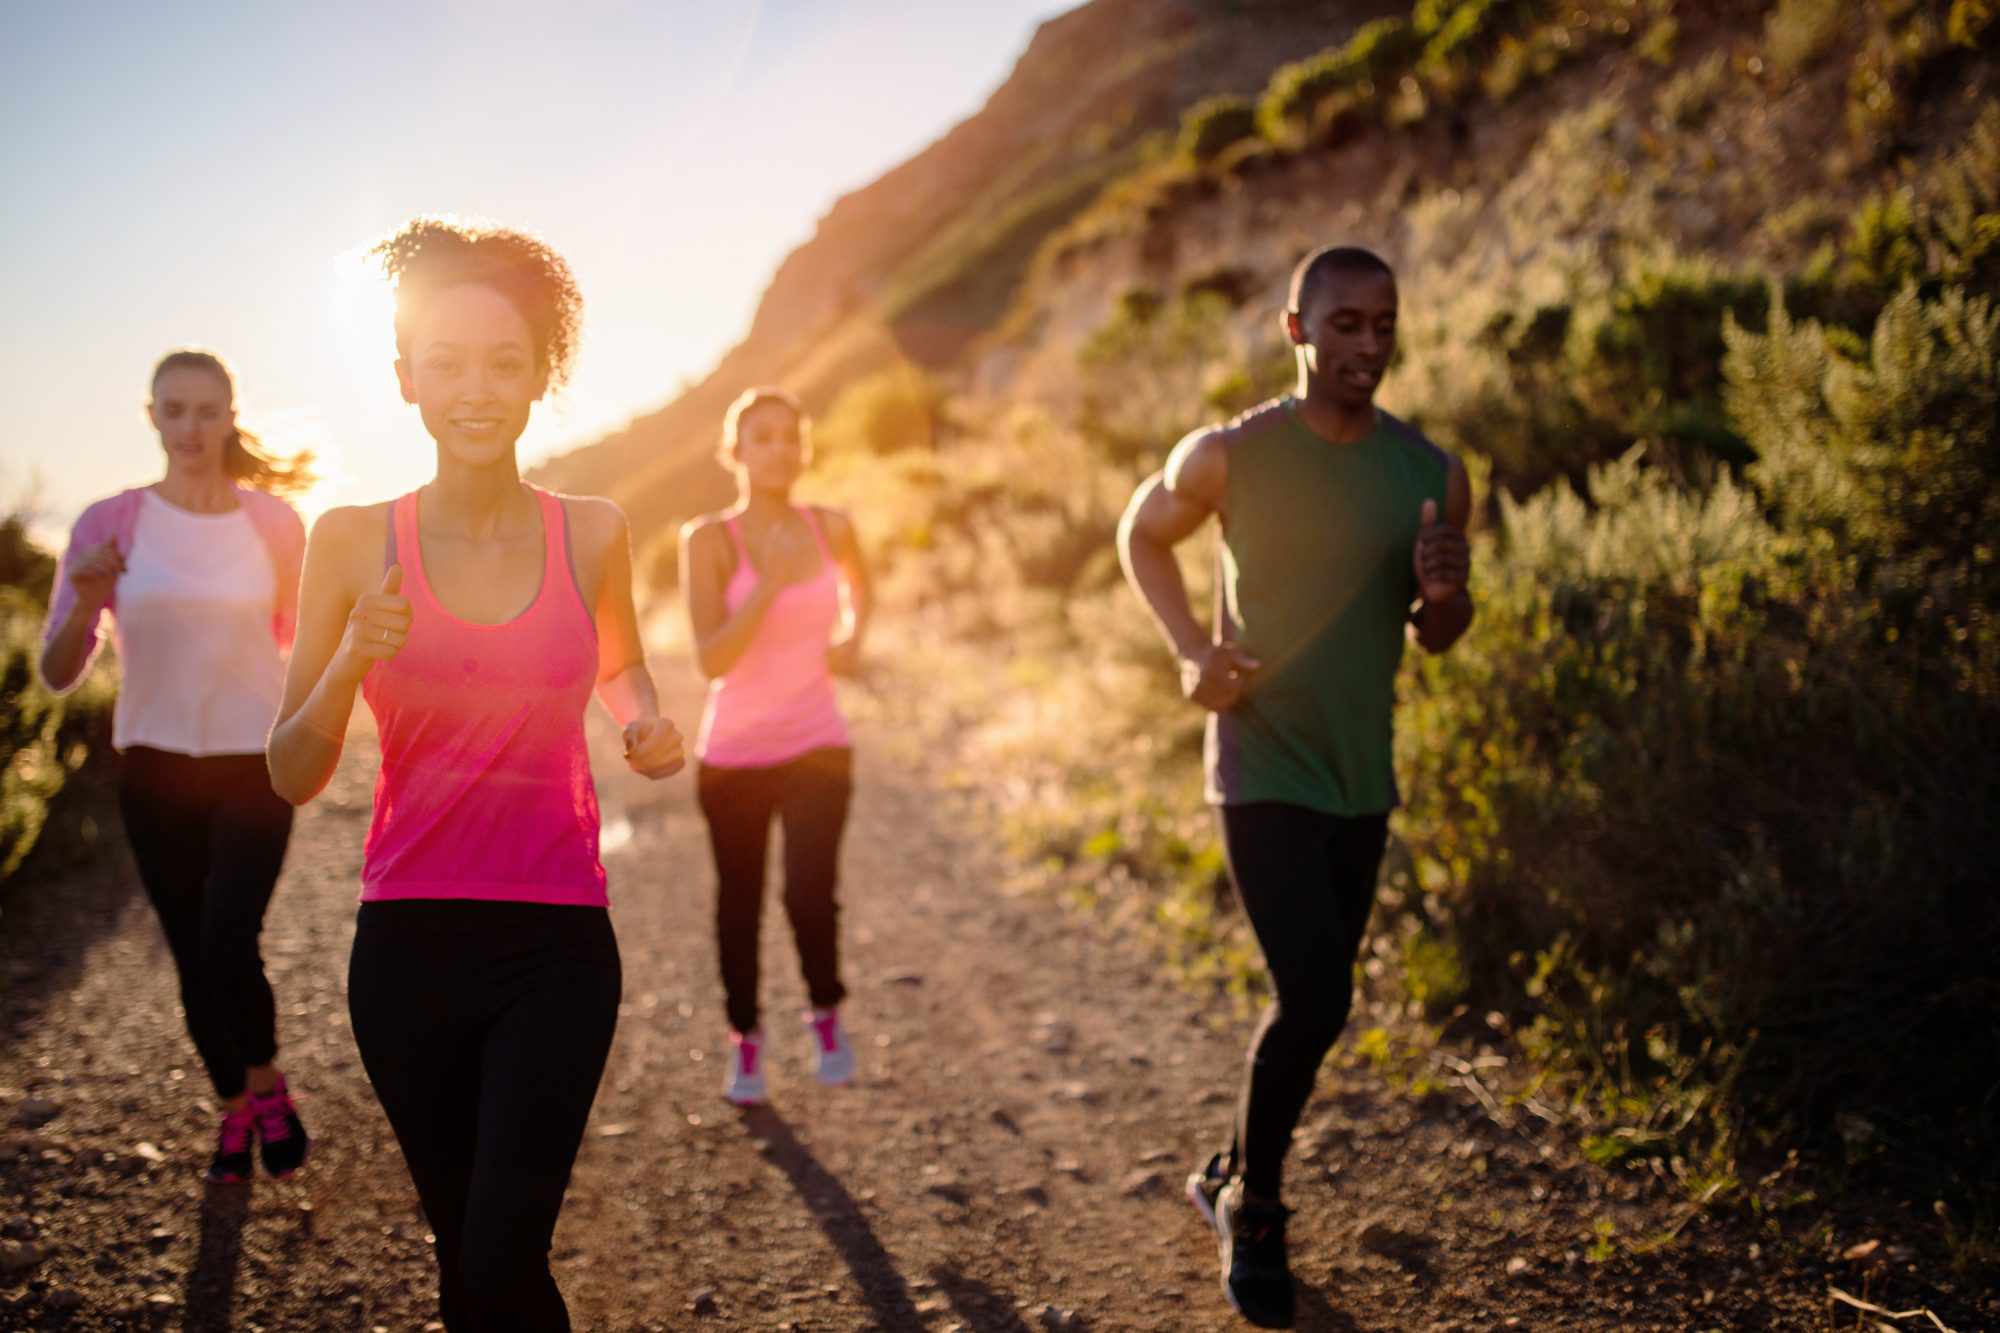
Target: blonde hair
<point>732,420</point>
<point>244,457</point>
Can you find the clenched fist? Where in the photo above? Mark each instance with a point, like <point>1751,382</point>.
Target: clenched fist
<point>787,555</point>
<point>653,747</point>
<point>1442,558</point>
<point>1218,677</point>
<point>94,574</point>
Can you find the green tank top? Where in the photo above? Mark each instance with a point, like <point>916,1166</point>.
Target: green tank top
<point>1316,583</point>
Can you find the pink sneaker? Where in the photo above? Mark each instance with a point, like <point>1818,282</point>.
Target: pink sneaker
<point>281,1135</point>
<point>231,1163</point>
<point>834,1054</point>
<point>745,1085</point>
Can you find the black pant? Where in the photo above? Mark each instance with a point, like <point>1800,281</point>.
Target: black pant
<point>809,796</point>
<point>1307,881</point>
<point>209,836</point>
<point>484,1027</point>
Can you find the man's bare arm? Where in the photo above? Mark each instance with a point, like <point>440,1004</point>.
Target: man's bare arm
<point>1166,509</point>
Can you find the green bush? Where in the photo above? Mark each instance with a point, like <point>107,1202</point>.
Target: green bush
<point>1147,371</point>
<point>1462,39</point>
<point>1645,360</point>
<point>1216,123</point>
<point>1939,228</point>
<point>1703,793</point>
<point>23,564</point>
<point>1798,32</point>
<point>1289,109</point>
<point>893,409</point>
<point>1690,95</point>
<point>1887,80</point>
<point>1547,388</point>
<point>1970,22</point>
<point>1661,38</point>
<point>1893,461</point>
<point>44,738</point>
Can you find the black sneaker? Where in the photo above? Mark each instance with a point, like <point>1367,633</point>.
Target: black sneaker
<point>281,1136</point>
<point>1204,1185</point>
<point>231,1163</point>
<point>1255,1276</point>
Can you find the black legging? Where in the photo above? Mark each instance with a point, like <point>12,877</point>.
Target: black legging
<point>484,1027</point>
<point>809,796</point>
<point>209,836</point>
<point>1307,881</point>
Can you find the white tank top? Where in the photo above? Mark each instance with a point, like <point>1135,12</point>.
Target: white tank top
<point>200,672</point>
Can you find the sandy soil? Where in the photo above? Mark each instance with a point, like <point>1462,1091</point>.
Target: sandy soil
<point>1032,1094</point>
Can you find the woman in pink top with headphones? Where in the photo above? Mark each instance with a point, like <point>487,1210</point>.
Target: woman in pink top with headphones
<point>478,615</point>
<point>765,581</point>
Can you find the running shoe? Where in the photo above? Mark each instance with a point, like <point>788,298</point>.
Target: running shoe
<point>1255,1275</point>
<point>1204,1185</point>
<point>833,1054</point>
<point>281,1136</point>
<point>231,1163</point>
<point>745,1086</point>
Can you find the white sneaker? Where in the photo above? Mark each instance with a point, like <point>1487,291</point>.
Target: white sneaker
<point>834,1054</point>
<point>745,1084</point>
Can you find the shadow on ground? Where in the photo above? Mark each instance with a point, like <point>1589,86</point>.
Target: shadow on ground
<point>69,893</point>
<point>887,1294</point>
<point>211,1284</point>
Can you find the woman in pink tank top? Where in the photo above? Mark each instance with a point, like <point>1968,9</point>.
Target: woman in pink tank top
<point>477,616</point>
<point>765,581</point>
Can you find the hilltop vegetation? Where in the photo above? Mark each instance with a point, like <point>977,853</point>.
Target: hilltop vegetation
<point>44,739</point>
<point>1704,295</point>
<point>905,273</point>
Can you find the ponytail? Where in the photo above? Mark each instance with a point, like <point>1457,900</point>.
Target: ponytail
<point>246,460</point>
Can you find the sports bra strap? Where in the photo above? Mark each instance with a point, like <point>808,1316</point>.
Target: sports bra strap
<point>556,534</point>
<point>812,521</point>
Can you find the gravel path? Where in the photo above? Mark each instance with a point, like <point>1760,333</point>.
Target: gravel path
<point>1032,1093</point>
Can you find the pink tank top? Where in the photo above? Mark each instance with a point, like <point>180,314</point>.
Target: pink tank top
<point>485,789</point>
<point>777,702</point>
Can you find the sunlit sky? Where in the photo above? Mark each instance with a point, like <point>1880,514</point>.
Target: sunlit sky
<point>206,174</point>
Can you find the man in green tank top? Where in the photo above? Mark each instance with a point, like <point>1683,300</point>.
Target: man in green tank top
<point>1343,532</point>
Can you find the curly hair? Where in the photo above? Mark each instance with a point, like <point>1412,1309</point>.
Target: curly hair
<point>244,457</point>
<point>431,254</point>
<point>732,420</point>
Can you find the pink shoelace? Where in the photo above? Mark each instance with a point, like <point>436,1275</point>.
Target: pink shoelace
<point>746,1051</point>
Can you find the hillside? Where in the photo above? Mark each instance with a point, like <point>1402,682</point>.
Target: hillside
<point>917,264</point>
<point>1703,294</point>
<point>993,256</point>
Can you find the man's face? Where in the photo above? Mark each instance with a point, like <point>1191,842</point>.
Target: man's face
<point>1347,325</point>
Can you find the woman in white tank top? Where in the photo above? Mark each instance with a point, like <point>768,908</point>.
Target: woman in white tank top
<point>200,571</point>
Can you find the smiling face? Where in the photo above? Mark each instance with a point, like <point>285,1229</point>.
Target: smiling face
<point>770,447</point>
<point>193,411</point>
<point>1345,328</point>
<point>469,364</point>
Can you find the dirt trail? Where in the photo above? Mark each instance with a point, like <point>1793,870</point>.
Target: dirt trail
<point>1031,1095</point>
